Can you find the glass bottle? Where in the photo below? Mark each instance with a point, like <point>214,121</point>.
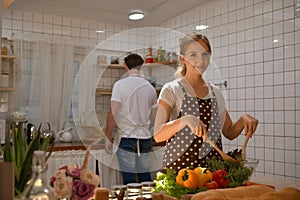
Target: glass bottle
<point>159,54</point>
<point>4,47</point>
<point>38,188</point>
<point>149,56</point>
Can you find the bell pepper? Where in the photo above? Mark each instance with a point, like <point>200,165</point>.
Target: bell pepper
<point>220,176</point>
<point>187,178</point>
<point>204,176</point>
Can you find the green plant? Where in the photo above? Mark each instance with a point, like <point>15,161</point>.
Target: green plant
<point>20,153</point>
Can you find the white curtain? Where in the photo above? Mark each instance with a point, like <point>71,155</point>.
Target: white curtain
<point>44,79</point>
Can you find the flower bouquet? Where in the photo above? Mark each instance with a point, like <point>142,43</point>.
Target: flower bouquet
<point>72,182</point>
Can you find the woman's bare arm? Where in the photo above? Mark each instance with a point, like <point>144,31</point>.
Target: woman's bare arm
<point>231,130</point>
<point>165,129</point>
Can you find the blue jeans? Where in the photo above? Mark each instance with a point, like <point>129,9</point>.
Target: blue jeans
<point>131,163</point>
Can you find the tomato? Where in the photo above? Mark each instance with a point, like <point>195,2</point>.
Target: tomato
<point>211,185</point>
<point>220,177</point>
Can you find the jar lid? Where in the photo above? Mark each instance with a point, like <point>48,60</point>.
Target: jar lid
<point>119,187</point>
<point>134,185</point>
<point>148,183</point>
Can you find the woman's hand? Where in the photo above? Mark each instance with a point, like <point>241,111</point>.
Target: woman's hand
<point>250,124</point>
<point>196,125</point>
<point>108,145</point>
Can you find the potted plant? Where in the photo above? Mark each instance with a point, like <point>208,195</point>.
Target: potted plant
<point>20,153</point>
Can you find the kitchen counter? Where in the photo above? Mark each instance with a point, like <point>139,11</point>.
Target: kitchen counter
<point>279,183</point>
<point>64,146</point>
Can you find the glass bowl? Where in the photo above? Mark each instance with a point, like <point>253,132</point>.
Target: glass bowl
<point>251,164</point>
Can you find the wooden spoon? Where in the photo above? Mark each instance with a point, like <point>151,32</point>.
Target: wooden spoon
<point>223,155</point>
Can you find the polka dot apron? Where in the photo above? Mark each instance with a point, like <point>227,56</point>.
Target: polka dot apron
<point>185,149</point>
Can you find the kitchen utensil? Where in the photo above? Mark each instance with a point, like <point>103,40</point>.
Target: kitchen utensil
<point>244,146</point>
<point>65,135</point>
<point>46,132</point>
<point>223,155</point>
<point>31,132</point>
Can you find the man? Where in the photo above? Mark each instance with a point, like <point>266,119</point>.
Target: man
<point>133,109</point>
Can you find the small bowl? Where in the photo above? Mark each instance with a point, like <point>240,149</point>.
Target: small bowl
<point>252,165</point>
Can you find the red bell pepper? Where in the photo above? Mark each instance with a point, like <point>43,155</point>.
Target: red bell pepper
<point>220,176</point>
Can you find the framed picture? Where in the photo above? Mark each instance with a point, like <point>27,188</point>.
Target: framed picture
<point>2,131</point>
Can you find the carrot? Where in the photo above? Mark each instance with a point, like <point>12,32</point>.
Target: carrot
<point>248,183</point>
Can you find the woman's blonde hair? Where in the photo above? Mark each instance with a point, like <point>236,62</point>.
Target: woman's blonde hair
<point>184,43</point>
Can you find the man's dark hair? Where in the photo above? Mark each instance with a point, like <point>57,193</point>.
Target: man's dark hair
<point>134,61</point>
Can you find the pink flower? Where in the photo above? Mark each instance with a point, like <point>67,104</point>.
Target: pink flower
<point>69,181</point>
<point>63,167</point>
<point>52,180</point>
<point>63,187</point>
<point>81,190</point>
<point>88,176</point>
<point>75,173</point>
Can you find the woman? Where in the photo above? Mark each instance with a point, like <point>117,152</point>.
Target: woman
<point>191,109</point>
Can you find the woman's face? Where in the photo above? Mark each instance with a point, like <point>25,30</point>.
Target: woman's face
<point>196,57</point>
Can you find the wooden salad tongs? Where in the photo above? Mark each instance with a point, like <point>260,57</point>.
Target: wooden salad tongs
<point>244,146</point>
<point>222,153</point>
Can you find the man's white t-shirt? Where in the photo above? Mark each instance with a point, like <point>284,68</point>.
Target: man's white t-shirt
<point>137,97</point>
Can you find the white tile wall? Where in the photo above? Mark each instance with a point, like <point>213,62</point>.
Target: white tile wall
<point>263,76</point>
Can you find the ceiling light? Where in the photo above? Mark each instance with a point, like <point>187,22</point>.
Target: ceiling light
<point>136,15</point>
<point>201,27</point>
<point>100,31</point>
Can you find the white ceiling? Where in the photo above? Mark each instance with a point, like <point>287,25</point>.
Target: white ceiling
<point>112,11</point>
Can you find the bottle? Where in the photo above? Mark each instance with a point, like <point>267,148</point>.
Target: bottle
<point>38,188</point>
<point>4,47</point>
<point>159,54</point>
<point>149,56</point>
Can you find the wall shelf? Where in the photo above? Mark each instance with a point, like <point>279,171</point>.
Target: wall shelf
<point>102,91</point>
<point>7,89</point>
<point>9,57</point>
<point>157,64</point>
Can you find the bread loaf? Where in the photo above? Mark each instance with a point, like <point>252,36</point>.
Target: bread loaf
<point>243,192</point>
<point>285,193</point>
<point>254,192</point>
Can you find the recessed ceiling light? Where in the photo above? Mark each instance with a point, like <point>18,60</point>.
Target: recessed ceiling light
<point>100,31</point>
<point>201,27</point>
<point>136,15</point>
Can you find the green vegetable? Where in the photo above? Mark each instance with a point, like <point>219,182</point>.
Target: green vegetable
<point>237,172</point>
<point>167,182</point>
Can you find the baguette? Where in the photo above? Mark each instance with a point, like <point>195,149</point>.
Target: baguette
<point>289,193</point>
<point>243,192</point>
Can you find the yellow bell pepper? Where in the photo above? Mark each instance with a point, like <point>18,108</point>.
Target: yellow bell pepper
<point>203,175</point>
<point>187,178</point>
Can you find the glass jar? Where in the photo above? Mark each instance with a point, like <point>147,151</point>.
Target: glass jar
<point>101,194</point>
<point>119,191</point>
<point>102,59</point>
<point>134,190</point>
<point>147,188</point>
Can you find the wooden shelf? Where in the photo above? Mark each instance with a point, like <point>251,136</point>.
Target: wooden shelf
<point>157,64</point>
<point>101,91</point>
<point>10,57</point>
<point>7,89</point>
